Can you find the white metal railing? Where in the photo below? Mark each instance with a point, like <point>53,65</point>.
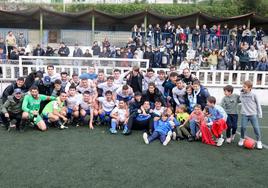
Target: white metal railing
<point>218,78</point>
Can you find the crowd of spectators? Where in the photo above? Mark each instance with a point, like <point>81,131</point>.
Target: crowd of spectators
<point>214,48</point>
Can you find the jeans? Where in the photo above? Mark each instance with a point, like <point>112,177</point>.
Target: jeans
<point>156,135</point>
<point>232,124</point>
<point>194,127</point>
<point>254,122</point>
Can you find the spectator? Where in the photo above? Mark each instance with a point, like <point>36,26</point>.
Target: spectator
<point>11,42</point>
<point>148,54</point>
<point>260,34</point>
<point>3,46</point>
<point>157,32</point>
<point>135,31</point>
<point>183,47</point>
<point>106,44</point>
<point>224,36</point>
<point>253,58</point>
<point>243,58</point>
<point>14,55</point>
<point>150,34</point>
<point>96,49</point>
<point>21,40</point>
<point>213,60</point>
<point>38,51</point>
<point>50,51</point>
<point>2,55</point>
<point>195,37</point>
<point>63,50</point>
<point>157,58</point>
<point>87,53</point>
<point>104,53</point>
<point>77,51</point>
<point>203,36</point>
<point>262,65</point>
<point>222,61</point>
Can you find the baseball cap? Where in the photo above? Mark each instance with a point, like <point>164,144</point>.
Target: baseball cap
<point>137,93</point>
<point>47,80</point>
<point>17,90</point>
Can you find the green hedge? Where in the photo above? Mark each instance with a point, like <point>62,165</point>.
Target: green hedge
<point>222,9</point>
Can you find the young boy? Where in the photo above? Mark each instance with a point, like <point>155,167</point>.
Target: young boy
<point>181,117</point>
<point>158,108</point>
<point>119,116</point>
<point>196,118</point>
<point>57,88</point>
<point>250,111</point>
<point>160,80</point>
<point>179,92</point>
<point>162,130</point>
<point>230,103</point>
<point>218,117</point>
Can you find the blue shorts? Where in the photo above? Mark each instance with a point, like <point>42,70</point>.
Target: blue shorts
<point>69,111</point>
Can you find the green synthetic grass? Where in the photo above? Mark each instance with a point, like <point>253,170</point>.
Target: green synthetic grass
<point>79,157</point>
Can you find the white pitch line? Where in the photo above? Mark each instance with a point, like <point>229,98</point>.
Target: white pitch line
<point>264,145</point>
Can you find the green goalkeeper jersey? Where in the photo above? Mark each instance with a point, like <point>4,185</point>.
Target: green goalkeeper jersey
<point>31,104</point>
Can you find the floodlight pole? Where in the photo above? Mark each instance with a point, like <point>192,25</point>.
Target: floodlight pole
<point>197,20</point>
<point>41,28</point>
<point>145,23</point>
<point>249,20</point>
<point>92,28</point>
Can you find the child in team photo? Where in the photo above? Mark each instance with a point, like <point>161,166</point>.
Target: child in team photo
<point>119,117</point>
<point>230,104</point>
<point>162,131</point>
<point>250,111</point>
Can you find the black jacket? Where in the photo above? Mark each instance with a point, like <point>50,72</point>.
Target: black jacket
<point>10,89</point>
<point>139,83</point>
<point>153,97</point>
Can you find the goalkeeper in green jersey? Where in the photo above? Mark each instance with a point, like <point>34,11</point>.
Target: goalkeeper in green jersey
<point>31,108</point>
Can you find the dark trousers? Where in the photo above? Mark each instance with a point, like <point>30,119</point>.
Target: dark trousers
<point>134,124</point>
<point>12,117</point>
<point>231,124</point>
<point>157,135</point>
<point>9,48</point>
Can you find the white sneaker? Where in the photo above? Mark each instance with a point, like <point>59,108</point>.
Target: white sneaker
<point>241,142</point>
<point>259,145</point>
<point>168,138</point>
<point>233,137</point>
<point>63,127</point>
<point>145,138</point>
<point>220,142</point>
<point>229,140</point>
<point>174,136</point>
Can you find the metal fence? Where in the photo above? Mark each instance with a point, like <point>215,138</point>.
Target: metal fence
<point>11,70</point>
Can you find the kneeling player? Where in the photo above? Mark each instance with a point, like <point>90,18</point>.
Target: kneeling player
<point>31,107</point>
<point>86,109</point>
<point>55,111</point>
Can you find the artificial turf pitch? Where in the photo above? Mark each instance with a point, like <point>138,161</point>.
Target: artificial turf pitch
<point>79,157</point>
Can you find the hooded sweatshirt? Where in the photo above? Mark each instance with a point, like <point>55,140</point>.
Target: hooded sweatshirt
<point>250,104</point>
